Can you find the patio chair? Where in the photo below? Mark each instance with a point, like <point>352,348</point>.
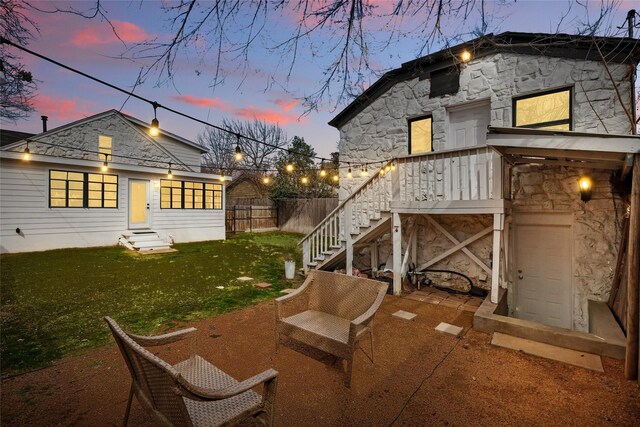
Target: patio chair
<point>192,392</point>
<point>330,312</point>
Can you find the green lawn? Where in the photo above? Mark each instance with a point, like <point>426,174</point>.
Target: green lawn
<point>52,303</point>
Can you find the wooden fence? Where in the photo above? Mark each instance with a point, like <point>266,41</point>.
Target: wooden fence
<point>241,218</point>
<point>302,215</point>
<point>294,215</point>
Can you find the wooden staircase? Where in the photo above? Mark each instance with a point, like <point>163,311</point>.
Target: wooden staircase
<point>365,215</point>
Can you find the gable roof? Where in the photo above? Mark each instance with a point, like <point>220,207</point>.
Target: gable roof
<point>126,117</point>
<point>614,49</point>
<point>10,136</point>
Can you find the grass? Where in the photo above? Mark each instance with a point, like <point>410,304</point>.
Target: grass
<point>52,303</point>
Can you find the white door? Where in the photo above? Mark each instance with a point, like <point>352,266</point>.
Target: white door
<point>468,125</point>
<point>138,203</point>
<point>543,290</point>
<point>468,128</point>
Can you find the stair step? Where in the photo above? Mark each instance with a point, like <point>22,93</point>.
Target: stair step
<point>328,252</point>
<point>144,238</point>
<point>319,258</point>
<point>336,247</point>
<point>151,244</point>
<point>312,264</point>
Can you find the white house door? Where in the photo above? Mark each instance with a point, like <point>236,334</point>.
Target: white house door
<point>467,128</point>
<point>468,125</point>
<point>543,290</point>
<point>138,203</point>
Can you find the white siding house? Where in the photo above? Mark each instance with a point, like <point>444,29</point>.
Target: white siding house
<point>62,197</point>
<point>486,143</point>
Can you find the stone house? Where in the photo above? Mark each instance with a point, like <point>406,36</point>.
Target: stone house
<point>103,180</point>
<point>484,145</point>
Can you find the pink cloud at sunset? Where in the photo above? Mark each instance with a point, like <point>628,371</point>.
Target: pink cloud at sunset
<point>203,102</point>
<point>266,114</point>
<point>97,35</point>
<point>281,116</point>
<point>60,110</point>
<point>286,106</point>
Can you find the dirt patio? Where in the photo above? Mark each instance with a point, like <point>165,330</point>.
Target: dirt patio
<point>420,377</point>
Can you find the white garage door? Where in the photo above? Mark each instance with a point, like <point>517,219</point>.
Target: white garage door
<point>543,271</point>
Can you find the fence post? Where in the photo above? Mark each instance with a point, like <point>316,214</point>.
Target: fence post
<point>250,218</point>
<point>234,219</point>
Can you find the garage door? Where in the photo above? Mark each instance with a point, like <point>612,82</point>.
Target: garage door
<point>543,291</point>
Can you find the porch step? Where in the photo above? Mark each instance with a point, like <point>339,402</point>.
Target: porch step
<point>144,241</point>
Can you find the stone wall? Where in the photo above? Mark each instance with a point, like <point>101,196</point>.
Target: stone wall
<point>380,130</point>
<point>596,225</point>
<point>81,142</point>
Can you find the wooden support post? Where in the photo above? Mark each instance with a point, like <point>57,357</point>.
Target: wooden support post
<point>405,260</point>
<point>305,256</point>
<point>397,254</point>
<point>498,225</point>
<point>374,259</point>
<point>632,359</point>
<point>348,224</point>
<point>414,241</point>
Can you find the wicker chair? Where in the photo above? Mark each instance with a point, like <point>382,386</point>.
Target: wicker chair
<point>330,312</point>
<point>192,392</point>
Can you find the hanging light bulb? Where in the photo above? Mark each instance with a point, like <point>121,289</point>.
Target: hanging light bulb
<point>238,155</point>
<point>266,179</point>
<point>382,172</point>
<point>304,180</point>
<point>105,165</point>
<point>289,167</point>
<point>393,166</point>
<point>323,172</point>
<point>349,174</point>
<point>335,178</point>
<point>26,154</point>
<point>387,168</point>
<point>366,170</point>
<point>154,130</point>
<point>169,172</point>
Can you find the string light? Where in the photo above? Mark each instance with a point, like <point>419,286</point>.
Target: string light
<point>323,172</point>
<point>289,167</point>
<point>349,174</point>
<point>26,154</point>
<point>169,173</point>
<point>335,178</point>
<point>387,168</point>
<point>266,179</point>
<point>105,165</point>
<point>154,130</point>
<point>155,125</point>
<point>238,155</point>
<point>304,180</point>
<point>465,56</point>
<point>393,166</point>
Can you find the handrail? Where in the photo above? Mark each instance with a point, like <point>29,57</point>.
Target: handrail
<point>341,204</point>
<point>375,175</point>
<point>434,153</point>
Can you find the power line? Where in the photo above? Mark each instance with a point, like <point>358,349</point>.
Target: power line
<point>154,104</point>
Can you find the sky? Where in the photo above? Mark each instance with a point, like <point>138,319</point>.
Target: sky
<point>260,88</point>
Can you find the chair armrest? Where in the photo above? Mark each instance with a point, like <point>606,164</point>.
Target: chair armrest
<point>292,297</point>
<point>206,394</point>
<point>366,317</point>
<point>171,337</point>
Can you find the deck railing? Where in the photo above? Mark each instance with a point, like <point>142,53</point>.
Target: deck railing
<point>467,174</point>
<point>472,173</point>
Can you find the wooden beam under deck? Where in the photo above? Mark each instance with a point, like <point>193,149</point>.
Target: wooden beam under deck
<point>449,207</point>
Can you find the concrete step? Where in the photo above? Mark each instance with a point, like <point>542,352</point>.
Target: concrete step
<point>151,244</point>
<point>143,238</point>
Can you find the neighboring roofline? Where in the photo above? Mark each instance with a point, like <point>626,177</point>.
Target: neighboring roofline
<point>13,134</point>
<point>616,49</point>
